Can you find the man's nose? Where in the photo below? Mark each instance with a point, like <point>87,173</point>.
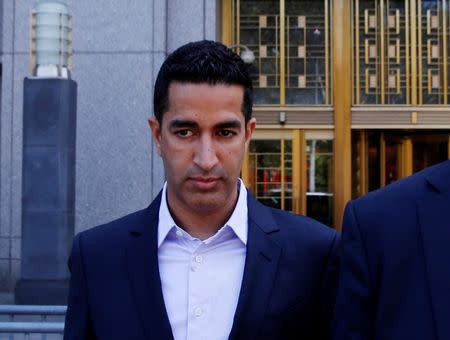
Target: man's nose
<point>205,155</point>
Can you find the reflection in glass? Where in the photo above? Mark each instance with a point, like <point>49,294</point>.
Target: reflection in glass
<point>374,155</point>
<point>319,186</point>
<point>357,154</point>
<point>269,161</point>
<point>392,166</point>
<point>429,151</point>
<point>307,32</point>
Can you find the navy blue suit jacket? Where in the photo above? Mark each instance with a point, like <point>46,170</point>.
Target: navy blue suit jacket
<point>287,290</point>
<point>395,264</point>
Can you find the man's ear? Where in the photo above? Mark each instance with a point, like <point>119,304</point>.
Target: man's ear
<point>249,128</point>
<point>156,133</point>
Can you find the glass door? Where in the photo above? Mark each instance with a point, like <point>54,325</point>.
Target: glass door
<point>409,152</point>
<point>381,157</point>
<point>269,174</point>
<point>395,157</point>
<point>319,180</point>
<point>292,170</point>
<point>429,150</point>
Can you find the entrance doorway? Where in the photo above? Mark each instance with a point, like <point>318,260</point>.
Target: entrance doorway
<point>292,170</point>
<point>383,157</point>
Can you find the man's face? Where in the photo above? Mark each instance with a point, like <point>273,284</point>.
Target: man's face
<point>202,141</point>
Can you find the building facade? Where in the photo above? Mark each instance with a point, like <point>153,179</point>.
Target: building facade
<point>349,96</point>
<point>118,49</point>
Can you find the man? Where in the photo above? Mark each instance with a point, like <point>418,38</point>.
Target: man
<point>205,260</point>
<point>395,276</point>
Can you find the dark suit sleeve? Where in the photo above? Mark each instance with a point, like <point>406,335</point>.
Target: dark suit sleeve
<point>77,324</point>
<point>329,288</point>
<point>353,311</point>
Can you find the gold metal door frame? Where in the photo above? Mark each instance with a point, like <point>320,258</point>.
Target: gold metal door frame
<point>406,151</point>
<point>448,146</point>
<point>382,160</point>
<point>299,137</point>
<point>299,176</point>
<point>342,77</point>
<point>405,156</point>
<point>362,150</point>
<point>298,159</point>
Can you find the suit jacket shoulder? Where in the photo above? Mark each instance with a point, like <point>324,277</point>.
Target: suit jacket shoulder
<point>111,236</point>
<point>404,193</point>
<point>111,233</point>
<point>113,277</point>
<point>290,276</point>
<point>292,230</point>
<point>304,232</point>
<point>386,219</point>
<point>393,246</point>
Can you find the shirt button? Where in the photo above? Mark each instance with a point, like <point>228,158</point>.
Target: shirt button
<point>179,233</point>
<point>193,268</point>
<point>198,311</point>
<point>199,259</point>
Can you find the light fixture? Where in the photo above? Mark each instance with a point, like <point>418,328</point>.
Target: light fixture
<point>282,117</point>
<point>51,40</point>
<point>246,54</point>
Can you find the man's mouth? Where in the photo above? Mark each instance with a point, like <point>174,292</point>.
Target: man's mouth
<point>205,183</point>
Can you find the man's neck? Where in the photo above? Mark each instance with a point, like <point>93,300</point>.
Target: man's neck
<point>201,224</point>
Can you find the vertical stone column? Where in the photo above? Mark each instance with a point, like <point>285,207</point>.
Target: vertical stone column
<point>48,189</point>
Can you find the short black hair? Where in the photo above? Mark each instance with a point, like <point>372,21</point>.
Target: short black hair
<point>198,62</point>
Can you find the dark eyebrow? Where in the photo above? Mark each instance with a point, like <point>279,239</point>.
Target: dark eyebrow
<point>179,123</point>
<point>189,124</point>
<point>231,124</point>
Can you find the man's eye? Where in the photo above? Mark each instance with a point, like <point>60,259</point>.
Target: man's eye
<point>226,133</point>
<point>184,133</point>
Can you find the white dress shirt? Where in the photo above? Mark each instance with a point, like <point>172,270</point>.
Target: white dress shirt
<point>201,280</point>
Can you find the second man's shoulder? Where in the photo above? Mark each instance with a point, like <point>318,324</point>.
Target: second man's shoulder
<point>403,193</point>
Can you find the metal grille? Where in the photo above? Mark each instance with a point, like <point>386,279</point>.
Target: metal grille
<point>291,42</point>
<point>400,52</point>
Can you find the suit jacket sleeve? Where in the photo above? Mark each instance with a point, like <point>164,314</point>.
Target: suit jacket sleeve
<point>328,291</point>
<point>77,325</point>
<point>329,287</point>
<point>353,317</point>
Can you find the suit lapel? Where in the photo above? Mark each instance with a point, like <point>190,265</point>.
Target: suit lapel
<point>142,264</point>
<point>434,219</point>
<point>259,273</point>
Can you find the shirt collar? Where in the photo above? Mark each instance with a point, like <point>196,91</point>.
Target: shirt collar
<point>239,218</point>
<point>237,221</point>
